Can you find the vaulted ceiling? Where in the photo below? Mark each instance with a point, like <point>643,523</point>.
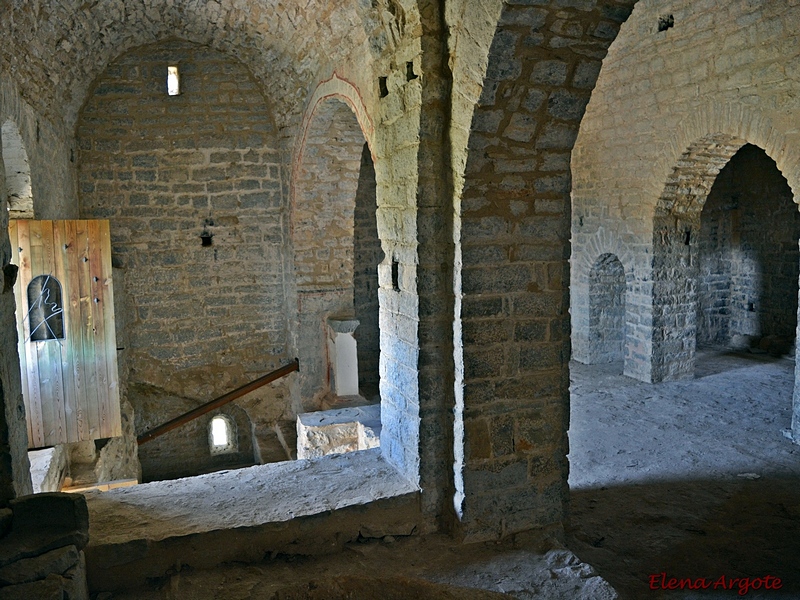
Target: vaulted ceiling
<point>54,49</point>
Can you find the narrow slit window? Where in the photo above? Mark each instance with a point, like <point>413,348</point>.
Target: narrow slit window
<point>45,309</point>
<point>221,435</point>
<point>173,81</point>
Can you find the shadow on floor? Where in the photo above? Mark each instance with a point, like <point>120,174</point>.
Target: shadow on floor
<point>712,360</point>
<point>733,528</point>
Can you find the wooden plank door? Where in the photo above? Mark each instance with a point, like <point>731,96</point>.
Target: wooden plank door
<point>65,322</point>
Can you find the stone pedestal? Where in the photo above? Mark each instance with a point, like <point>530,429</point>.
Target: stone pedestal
<point>342,356</point>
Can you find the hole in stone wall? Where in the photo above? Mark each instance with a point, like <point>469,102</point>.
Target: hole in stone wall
<point>173,81</point>
<point>383,87</point>
<point>410,71</point>
<point>665,22</point>
<point>206,239</point>
<point>687,237</point>
<point>395,275</point>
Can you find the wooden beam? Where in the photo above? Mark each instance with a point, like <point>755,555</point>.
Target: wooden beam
<point>217,402</point>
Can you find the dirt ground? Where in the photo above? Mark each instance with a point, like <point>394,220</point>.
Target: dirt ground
<point>692,479</point>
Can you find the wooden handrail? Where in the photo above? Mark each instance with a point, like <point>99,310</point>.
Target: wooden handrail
<point>217,402</point>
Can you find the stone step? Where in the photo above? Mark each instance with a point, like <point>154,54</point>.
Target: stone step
<point>293,507</point>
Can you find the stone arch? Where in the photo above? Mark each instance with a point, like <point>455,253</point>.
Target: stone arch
<point>335,237</point>
<point>600,243</point>
<point>676,228</point>
<point>18,172</point>
<point>747,255</point>
<point>512,273</point>
<point>340,89</point>
<point>607,288</point>
<point>699,149</point>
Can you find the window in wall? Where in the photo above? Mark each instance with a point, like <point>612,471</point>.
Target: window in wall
<point>173,81</point>
<point>221,435</point>
<point>45,309</point>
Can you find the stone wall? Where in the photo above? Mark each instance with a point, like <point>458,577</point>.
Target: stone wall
<point>671,107</point>
<point>17,172</point>
<point>186,451</point>
<point>472,288</point>
<point>41,554</point>
<point>166,170</point>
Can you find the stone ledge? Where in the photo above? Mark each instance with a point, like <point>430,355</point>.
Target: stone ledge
<point>300,507</point>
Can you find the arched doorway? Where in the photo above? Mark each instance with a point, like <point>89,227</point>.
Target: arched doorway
<point>748,257</point>
<point>336,247</point>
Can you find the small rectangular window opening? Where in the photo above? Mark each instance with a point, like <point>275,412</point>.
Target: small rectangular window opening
<point>220,435</point>
<point>395,275</point>
<point>173,81</point>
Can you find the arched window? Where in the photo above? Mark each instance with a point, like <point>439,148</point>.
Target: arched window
<point>45,309</point>
<point>221,435</point>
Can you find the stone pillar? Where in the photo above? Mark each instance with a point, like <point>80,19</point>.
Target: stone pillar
<point>342,353</point>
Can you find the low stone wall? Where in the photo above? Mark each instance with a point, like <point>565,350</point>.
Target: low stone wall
<point>41,547</point>
<point>340,430</point>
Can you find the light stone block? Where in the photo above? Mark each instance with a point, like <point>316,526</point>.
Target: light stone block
<point>338,431</point>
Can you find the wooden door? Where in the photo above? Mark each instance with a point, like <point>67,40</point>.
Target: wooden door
<point>65,324</point>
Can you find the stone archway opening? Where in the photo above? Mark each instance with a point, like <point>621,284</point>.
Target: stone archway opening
<point>725,304</point>
<point>676,226</point>
<point>725,258</point>
<point>607,310</point>
<point>17,171</point>
<point>748,258</point>
<point>336,256</point>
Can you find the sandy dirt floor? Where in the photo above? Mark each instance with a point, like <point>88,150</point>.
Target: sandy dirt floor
<point>692,479</point>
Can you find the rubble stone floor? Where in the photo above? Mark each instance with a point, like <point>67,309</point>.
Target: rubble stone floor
<point>415,568</point>
<point>694,479</point>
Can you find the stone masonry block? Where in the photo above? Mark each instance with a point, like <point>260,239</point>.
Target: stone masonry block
<point>52,511</point>
<point>57,561</point>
